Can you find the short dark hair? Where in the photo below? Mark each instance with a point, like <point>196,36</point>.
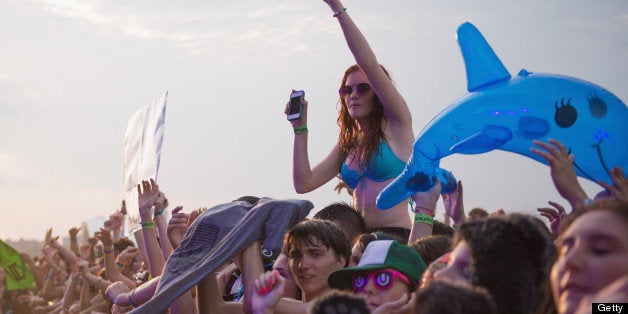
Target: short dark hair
<point>338,301</point>
<point>432,247</point>
<point>439,228</point>
<point>364,239</point>
<point>318,232</point>
<point>478,213</point>
<point>121,244</point>
<point>448,297</point>
<point>347,218</point>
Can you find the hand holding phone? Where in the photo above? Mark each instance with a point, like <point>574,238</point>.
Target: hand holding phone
<point>295,109</point>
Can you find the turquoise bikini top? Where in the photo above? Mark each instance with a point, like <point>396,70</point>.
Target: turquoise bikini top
<point>383,166</point>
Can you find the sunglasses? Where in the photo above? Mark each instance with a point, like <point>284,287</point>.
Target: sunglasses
<point>383,279</point>
<point>347,90</point>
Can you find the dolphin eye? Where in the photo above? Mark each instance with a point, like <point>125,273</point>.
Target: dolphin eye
<point>597,106</point>
<point>566,114</point>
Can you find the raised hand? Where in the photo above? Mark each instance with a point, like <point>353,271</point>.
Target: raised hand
<point>85,251</point>
<point>53,243</point>
<point>48,235</point>
<point>269,288</point>
<point>92,241</point>
<point>562,171</point>
<point>104,236</point>
<point>115,221</point>
<point>83,267</point>
<point>75,272</point>
<point>123,207</point>
<point>429,198</point>
<point>619,189</point>
<point>161,202</point>
<point>128,255</point>
<point>73,232</point>
<point>303,120</point>
<point>555,216</point>
<point>177,226</point>
<point>454,205</point>
<point>147,193</point>
<point>195,214</point>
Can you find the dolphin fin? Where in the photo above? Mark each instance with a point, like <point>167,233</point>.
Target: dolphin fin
<point>482,64</point>
<point>490,138</point>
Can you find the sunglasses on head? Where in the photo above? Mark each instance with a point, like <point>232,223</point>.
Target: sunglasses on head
<point>347,90</point>
<point>383,279</point>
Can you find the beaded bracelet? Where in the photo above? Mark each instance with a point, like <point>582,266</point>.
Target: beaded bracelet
<point>147,224</point>
<point>337,13</point>
<point>425,210</point>
<point>424,218</point>
<point>300,129</point>
<point>107,249</point>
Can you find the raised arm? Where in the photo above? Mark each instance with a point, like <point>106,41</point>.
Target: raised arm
<point>395,107</point>
<point>562,171</point>
<point>161,224</point>
<point>147,195</point>
<point>304,177</point>
<point>111,269</point>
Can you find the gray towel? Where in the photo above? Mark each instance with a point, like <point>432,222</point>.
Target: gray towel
<point>217,235</point>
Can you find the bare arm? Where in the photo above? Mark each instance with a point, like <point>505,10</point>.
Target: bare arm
<point>395,108</point>
<point>148,192</point>
<point>111,269</point>
<point>307,179</point>
<point>304,177</point>
<point>161,223</point>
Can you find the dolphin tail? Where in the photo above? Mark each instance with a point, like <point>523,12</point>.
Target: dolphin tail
<point>482,64</point>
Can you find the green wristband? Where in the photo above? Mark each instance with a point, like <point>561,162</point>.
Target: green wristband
<point>148,224</point>
<point>300,129</point>
<point>424,218</point>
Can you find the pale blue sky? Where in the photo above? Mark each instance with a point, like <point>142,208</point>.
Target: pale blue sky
<point>73,72</point>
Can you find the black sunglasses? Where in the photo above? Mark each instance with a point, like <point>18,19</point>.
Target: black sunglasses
<point>347,90</point>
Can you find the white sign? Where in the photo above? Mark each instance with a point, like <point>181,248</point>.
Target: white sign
<point>142,152</point>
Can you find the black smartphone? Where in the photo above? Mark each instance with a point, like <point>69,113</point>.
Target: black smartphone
<point>294,112</point>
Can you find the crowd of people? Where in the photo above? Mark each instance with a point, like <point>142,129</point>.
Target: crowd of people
<point>262,255</point>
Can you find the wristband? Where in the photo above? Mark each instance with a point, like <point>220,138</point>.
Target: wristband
<point>159,212</point>
<point>337,13</point>
<point>424,218</point>
<point>300,129</point>
<point>147,224</point>
<point>131,298</point>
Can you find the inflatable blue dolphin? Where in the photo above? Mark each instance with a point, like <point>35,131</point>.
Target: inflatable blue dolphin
<point>508,113</point>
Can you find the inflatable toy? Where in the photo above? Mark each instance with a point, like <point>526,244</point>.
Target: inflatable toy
<point>508,113</point>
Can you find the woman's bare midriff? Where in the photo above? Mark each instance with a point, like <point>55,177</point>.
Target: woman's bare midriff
<point>364,202</point>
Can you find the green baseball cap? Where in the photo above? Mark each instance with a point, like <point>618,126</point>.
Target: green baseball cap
<point>380,255</point>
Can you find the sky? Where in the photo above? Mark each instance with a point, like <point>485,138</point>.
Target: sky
<point>72,73</point>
